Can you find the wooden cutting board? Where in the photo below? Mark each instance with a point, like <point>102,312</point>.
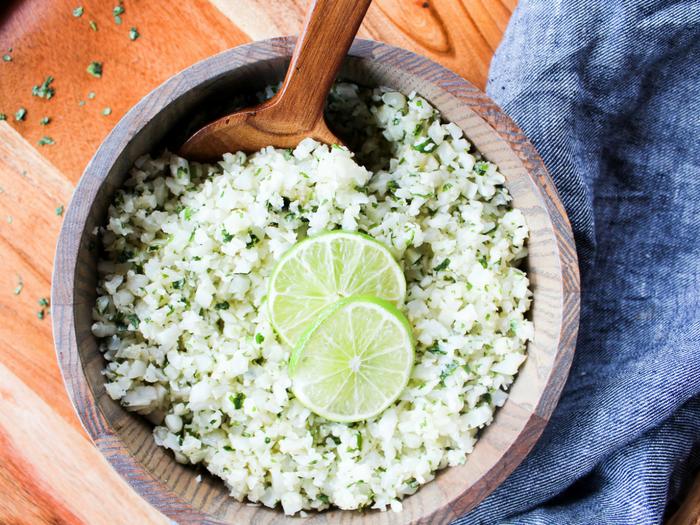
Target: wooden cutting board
<point>49,470</point>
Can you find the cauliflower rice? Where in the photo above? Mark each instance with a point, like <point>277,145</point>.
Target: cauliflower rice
<point>188,249</point>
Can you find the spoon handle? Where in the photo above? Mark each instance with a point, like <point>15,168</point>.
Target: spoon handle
<point>328,32</point>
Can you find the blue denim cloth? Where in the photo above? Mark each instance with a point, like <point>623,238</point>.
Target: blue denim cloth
<point>609,93</point>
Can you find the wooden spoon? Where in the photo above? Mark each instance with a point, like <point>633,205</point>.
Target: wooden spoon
<point>296,111</point>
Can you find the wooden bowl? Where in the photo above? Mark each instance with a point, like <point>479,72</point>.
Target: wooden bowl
<point>204,91</point>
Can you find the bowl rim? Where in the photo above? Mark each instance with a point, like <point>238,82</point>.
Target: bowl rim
<point>65,262</point>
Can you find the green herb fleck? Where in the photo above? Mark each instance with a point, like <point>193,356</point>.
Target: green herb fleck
<point>46,141</point>
<point>93,25</point>
<point>227,237</point>
<point>44,121</point>
<point>358,440</point>
<point>481,167</point>
<point>81,103</point>
<point>95,69</point>
<point>91,95</point>
<point>447,372</point>
<point>59,210</point>
<point>392,186</point>
<point>78,12</point>
<point>483,262</point>
<point>424,147</point>
<point>324,499</point>
<point>133,34</point>
<point>418,129</point>
<point>43,301</point>
<point>267,440</point>
<point>21,113</point>
<point>178,284</point>
<point>259,338</point>
<point>444,264</point>
<point>133,320</point>
<point>221,306</point>
<point>7,58</point>
<point>118,10</point>
<point>237,400</point>
<point>20,285</point>
<point>107,111</point>
<point>118,20</point>
<point>44,90</point>
<point>253,241</point>
<point>3,116</point>
<point>41,314</point>
<point>187,213</point>
<point>435,349</point>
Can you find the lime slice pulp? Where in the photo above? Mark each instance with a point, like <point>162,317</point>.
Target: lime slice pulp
<point>320,270</point>
<point>354,361</point>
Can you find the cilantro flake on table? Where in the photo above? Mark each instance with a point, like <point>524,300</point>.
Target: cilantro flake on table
<point>133,33</point>
<point>21,113</point>
<point>3,116</point>
<point>46,141</point>
<point>45,120</point>
<point>107,111</point>
<point>93,25</point>
<point>59,210</point>
<point>20,285</point>
<point>44,90</point>
<point>95,69</point>
<point>91,95</point>
<point>78,12</point>
<point>7,58</point>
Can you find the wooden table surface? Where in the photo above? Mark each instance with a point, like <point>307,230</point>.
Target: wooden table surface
<point>49,470</point>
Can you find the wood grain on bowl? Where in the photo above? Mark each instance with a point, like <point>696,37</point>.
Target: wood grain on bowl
<point>200,92</point>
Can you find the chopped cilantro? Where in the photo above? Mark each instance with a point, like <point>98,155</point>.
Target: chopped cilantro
<point>3,116</point>
<point>392,186</point>
<point>444,264</point>
<point>41,314</point>
<point>178,284</point>
<point>133,34</point>
<point>91,95</point>
<point>187,213</point>
<point>20,285</point>
<point>118,20</point>
<point>44,90</point>
<point>21,113</point>
<point>133,320</point>
<point>253,241</point>
<point>447,372</point>
<point>324,499</point>
<point>93,25</point>
<point>227,237</point>
<point>481,167</point>
<point>221,306</point>
<point>359,441</point>
<point>95,69</point>
<point>237,400</point>
<point>118,10</point>
<point>107,111</point>
<point>46,141</point>
<point>44,121</point>
<point>78,12</point>
<point>424,147</point>
<point>483,262</point>
<point>59,210</point>
<point>435,349</point>
<point>259,338</point>
<point>267,440</point>
<point>418,129</point>
<point>7,58</point>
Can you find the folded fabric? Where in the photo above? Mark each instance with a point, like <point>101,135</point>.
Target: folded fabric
<point>609,93</point>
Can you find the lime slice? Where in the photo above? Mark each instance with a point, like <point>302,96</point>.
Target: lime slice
<point>354,361</point>
<point>320,270</point>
